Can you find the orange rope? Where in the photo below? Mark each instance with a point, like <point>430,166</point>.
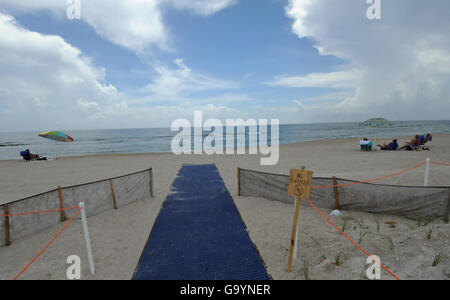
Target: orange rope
<point>371,180</point>
<point>353,242</point>
<point>48,245</point>
<point>39,212</point>
<point>439,163</point>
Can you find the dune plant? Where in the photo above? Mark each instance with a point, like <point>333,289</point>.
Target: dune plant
<point>436,260</point>
<point>362,235</point>
<point>429,232</point>
<point>361,223</point>
<point>392,247</point>
<point>312,238</point>
<point>377,220</point>
<point>305,268</point>
<point>391,244</point>
<point>344,226</point>
<point>422,223</point>
<point>338,260</point>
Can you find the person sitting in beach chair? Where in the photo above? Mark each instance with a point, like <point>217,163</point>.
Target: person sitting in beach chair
<point>28,156</point>
<point>392,146</point>
<point>365,145</point>
<point>425,139</point>
<point>412,145</point>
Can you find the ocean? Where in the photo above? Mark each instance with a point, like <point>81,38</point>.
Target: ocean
<point>88,142</point>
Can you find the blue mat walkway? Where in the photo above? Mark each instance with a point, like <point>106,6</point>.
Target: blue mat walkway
<point>199,234</point>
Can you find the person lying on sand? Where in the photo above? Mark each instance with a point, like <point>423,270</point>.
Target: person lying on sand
<point>38,157</point>
<point>392,146</point>
<point>27,155</point>
<point>415,142</point>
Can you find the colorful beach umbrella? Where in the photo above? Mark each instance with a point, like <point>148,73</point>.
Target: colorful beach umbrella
<point>56,136</point>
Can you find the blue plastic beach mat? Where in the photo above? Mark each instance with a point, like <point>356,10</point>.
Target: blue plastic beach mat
<point>199,234</point>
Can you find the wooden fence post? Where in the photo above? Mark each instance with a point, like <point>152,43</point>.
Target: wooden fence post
<point>239,180</point>
<point>7,227</point>
<point>151,183</point>
<point>61,204</point>
<point>447,217</point>
<point>113,194</point>
<point>336,193</point>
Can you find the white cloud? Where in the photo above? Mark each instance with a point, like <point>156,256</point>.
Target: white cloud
<point>46,80</point>
<point>47,83</point>
<point>134,24</point>
<point>338,80</point>
<point>202,7</point>
<point>169,83</point>
<point>398,66</point>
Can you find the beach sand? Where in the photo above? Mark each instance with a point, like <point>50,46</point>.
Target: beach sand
<point>119,236</point>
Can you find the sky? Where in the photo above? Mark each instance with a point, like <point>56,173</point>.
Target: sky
<point>145,63</point>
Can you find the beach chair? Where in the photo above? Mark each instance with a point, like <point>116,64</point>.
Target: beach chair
<point>366,147</point>
<point>424,141</point>
<point>416,147</point>
<point>26,155</point>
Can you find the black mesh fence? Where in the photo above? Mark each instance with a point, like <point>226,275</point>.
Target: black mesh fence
<point>417,203</point>
<point>97,196</point>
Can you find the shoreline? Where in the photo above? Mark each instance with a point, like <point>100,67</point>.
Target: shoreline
<point>334,157</point>
<point>321,141</point>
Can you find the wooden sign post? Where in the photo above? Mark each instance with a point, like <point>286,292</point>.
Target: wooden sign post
<point>299,186</point>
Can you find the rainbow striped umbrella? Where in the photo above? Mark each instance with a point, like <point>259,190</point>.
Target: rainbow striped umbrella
<point>56,136</point>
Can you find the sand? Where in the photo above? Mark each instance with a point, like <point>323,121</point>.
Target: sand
<point>118,237</point>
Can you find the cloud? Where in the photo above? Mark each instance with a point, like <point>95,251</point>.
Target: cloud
<point>170,83</point>
<point>398,66</point>
<point>46,83</point>
<point>45,79</point>
<point>338,80</point>
<point>202,7</point>
<point>134,24</point>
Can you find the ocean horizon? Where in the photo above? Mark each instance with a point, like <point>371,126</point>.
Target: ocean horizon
<point>155,140</point>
